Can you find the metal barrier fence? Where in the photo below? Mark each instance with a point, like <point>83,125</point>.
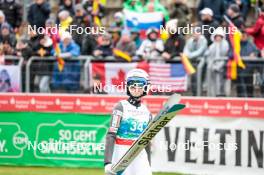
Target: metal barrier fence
<point>49,64</point>
<point>249,82</point>
<point>14,59</point>
<point>195,81</point>
<point>252,77</point>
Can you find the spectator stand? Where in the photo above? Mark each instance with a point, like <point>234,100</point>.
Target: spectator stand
<point>249,83</point>
<point>254,77</point>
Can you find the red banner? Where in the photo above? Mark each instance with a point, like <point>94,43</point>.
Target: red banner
<point>196,106</point>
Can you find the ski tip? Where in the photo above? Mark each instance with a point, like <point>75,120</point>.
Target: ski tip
<point>176,107</point>
<point>119,172</point>
<point>173,99</point>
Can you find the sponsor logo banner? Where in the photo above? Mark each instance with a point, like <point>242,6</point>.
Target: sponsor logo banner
<point>52,139</point>
<point>210,136</point>
<point>103,104</point>
<point>207,145</point>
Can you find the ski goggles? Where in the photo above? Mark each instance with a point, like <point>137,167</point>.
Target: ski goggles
<point>137,82</point>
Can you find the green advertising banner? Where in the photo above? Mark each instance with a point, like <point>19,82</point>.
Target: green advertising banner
<point>52,139</point>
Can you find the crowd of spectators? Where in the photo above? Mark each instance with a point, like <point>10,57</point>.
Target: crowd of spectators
<point>208,13</point>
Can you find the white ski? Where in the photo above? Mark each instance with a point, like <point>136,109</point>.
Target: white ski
<point>169,111</point>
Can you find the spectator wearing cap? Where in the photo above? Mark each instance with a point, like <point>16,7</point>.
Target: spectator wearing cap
<point>69,78</point>
<point>194,49</point>
<point>8,39</point>
<point>233,13</point>
<point>80,20</point>
<point>68,46</point>
<point>133,5</point>
<point>13,12</point>
<point>152,47</point>
<point>244,82</point>
<point>126,44</point>
<point>65,20</point>
<point>135,36</point>
<point>2,18</point>
<point>217,6</point>
<point>156,6</point>
<point>118,21</point>
<point>176,42</point>
<point>68,6</point>
<point>104,48</point>
<point>257,31</point>
<point>38,13</point>
<point>207,23</point>
<point>179,10</point>
<point>215,68</point>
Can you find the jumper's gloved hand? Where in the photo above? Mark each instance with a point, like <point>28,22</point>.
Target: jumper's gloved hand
<point>108,168</point>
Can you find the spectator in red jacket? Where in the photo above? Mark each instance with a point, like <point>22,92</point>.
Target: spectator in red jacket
<point>257,31</point>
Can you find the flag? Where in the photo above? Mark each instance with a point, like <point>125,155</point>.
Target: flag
<point>163,77</point>
<point>121,54</point>
<point>171,77</point>
<point>96,19</point>
<point>56,47</point>
<point>112,76</point>
<point>232,69</point>
<point>143,21</point>
<point>235,38</point>
<point>187,65</point>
